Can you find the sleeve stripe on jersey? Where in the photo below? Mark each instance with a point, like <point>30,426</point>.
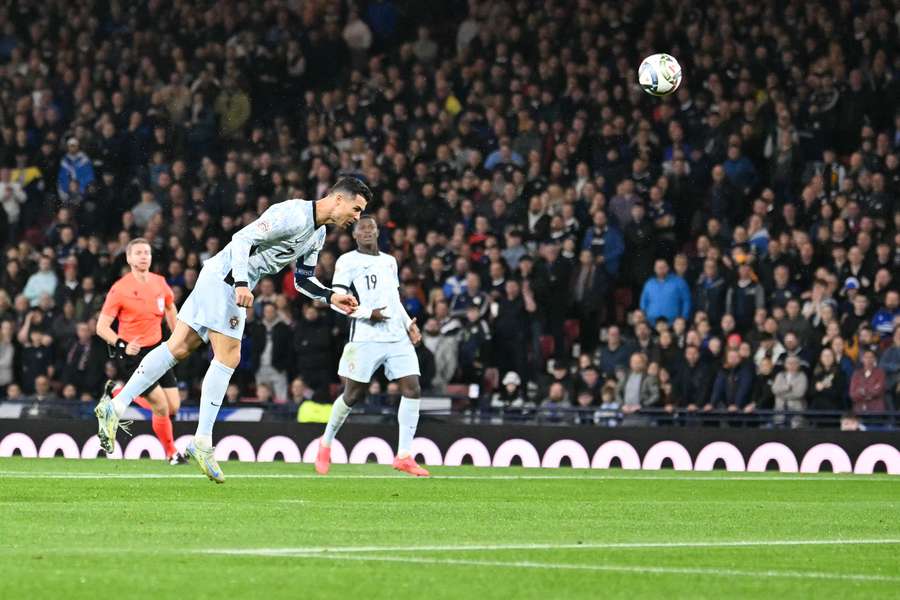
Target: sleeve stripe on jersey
<point>340,285</point>
<point>315,289</point>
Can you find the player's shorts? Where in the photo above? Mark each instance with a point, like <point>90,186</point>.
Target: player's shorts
<point>129,364</point>
<point>361,359</point>
<point>211,307</point>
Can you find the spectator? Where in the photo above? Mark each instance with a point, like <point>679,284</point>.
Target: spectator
<point>510,395</point>
<point>637,389</point>
<point>272,337</point>
<point>43,393</point>
<point>590,286</point>
<point>474,346</point>
<point>790,392</point>
<point>556,402</point>
<point>733,385</point>
<point>692,382</point>
<point>744,298</point>
<point>41,283</point>
<point>710,291</point>
<point>313,348</point>
<point>613,356</point>
<point>145,210</point>
<point>76,172</point>
<point>605,243</point>
<point>510,337</point>
<point>665,296</point>
<point>762,397</point>
<point>84,360</point>
<point>233,108</point>
<point>885,319</point>
<point>471,297</point>
<point>829,391</point>
<point>12,196</point>
<point>298,392</point>
<point>868,386</point>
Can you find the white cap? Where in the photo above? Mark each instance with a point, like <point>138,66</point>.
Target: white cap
<point>512,378</point>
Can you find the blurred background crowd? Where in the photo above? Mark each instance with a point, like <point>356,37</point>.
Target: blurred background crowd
<point>565,240</point>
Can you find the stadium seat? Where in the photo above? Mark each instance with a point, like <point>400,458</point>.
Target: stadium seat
<point>458,390</point>
<point>491,380</point>
<point>548,347</point>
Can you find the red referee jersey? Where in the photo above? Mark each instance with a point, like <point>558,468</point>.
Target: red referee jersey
<point>139,307</point>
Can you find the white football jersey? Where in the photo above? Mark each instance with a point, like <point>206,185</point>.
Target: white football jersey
<point>282,234</point>
<point>374,282</point>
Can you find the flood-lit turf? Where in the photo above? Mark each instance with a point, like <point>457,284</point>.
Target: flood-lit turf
<point>126,529</point>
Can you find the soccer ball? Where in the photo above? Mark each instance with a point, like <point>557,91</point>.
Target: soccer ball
<point>659,74</point>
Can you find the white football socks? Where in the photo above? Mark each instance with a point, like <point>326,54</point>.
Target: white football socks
<point>339,413</point>
<point>215,383</point>
<point>152,367</point>
<point>408,419</point>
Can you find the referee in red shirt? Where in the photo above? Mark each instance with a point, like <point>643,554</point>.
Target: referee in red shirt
<point>139,300</point>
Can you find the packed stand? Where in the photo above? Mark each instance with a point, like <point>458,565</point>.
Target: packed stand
<point>573,247</point>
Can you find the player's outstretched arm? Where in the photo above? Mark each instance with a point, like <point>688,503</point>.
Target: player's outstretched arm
<point>307,284</point>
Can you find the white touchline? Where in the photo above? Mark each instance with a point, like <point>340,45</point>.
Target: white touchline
<point>642,570</point>
<point>568,546</point>
<point>586,477</point>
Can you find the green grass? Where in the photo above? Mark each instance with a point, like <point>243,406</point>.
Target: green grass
<point>129,529</point>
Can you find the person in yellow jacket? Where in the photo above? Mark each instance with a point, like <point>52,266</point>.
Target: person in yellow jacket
<point>233,108</point>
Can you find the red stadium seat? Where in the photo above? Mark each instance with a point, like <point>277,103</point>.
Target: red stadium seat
<point>548,346</point>
<point>491,380</point>
<point>458,390</point>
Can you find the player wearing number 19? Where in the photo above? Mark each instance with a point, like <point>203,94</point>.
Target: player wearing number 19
<point>381,333</point>
<point>293,230</point>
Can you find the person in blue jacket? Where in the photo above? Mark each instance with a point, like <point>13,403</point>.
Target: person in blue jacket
<point>74,166</point>
<point>605,242</point>
<point>666,295</point>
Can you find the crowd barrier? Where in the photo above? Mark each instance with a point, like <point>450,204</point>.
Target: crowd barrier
<point>650,448</point>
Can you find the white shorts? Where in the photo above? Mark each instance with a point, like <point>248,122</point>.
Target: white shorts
<point>361,359</point>
<point>211,307</point>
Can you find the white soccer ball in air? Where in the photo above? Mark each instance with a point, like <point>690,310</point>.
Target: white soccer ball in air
<point>659,74</point>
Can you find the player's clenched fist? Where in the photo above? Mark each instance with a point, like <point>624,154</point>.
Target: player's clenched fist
<point>345,302</point>
<point>243,297</point>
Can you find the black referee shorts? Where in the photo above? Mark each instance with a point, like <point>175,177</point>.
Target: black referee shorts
<point>129,364</point>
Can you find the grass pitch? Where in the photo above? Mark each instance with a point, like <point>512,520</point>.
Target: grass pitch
<point>141,529</point>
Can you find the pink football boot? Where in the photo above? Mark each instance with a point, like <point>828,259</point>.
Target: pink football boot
<point>323,459</point>
<point>408,465</point>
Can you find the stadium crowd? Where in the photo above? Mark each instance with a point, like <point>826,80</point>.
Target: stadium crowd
<point>734,247</point>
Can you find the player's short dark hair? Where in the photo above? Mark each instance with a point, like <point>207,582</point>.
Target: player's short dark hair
<point>352,186</point>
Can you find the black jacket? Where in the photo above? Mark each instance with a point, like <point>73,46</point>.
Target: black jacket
<point>692,384</point>
<point>314,351</point>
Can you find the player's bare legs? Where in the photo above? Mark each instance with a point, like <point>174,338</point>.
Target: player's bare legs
<point>354,391</point>
<point>226,356</point>
<point>408,421</point>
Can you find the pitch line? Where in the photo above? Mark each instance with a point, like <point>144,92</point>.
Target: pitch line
<point>635,569</point>
<point>329,550</point>
<point>587,477</point>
